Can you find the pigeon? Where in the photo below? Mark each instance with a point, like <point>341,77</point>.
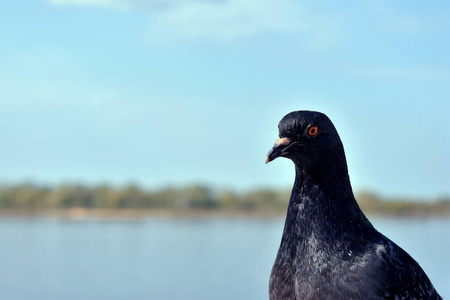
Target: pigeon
<point>329,249</point>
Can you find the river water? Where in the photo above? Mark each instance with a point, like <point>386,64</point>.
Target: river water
<point>173,258</point>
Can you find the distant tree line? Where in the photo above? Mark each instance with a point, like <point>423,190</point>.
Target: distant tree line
<point>29,196</point>
<point>198,197</point>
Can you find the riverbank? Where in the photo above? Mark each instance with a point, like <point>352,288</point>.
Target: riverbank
<point>81,201</point>
<point>79,213</point>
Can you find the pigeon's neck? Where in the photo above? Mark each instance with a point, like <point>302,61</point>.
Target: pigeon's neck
<point>331,180</point>
<point>323,205</point>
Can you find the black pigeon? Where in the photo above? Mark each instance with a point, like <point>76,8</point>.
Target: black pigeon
<point>329,250</point>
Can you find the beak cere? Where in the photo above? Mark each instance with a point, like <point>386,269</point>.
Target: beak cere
<point>278,149</point>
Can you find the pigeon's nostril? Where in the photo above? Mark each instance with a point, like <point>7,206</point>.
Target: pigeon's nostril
<point>282,142</point>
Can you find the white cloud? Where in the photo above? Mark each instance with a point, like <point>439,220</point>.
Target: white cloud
<point>225,20</point>
<point>410,73</point>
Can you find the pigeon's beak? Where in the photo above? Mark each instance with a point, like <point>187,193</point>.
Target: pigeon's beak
<point>279,149</point>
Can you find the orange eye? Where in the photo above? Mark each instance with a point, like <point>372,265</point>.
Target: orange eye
<point>313,131</point>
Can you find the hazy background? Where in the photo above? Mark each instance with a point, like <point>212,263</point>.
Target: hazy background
<point>178,92</point>
<point>118,97</point>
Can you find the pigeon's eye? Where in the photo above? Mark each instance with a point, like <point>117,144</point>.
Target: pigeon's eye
<point>313,131</point>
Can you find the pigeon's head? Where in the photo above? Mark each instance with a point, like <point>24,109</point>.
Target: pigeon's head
<point>309,139</point>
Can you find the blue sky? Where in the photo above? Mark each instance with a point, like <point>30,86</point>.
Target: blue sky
<point>177,92</point>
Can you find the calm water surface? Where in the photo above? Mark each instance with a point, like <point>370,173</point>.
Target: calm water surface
<point>173,258</point>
